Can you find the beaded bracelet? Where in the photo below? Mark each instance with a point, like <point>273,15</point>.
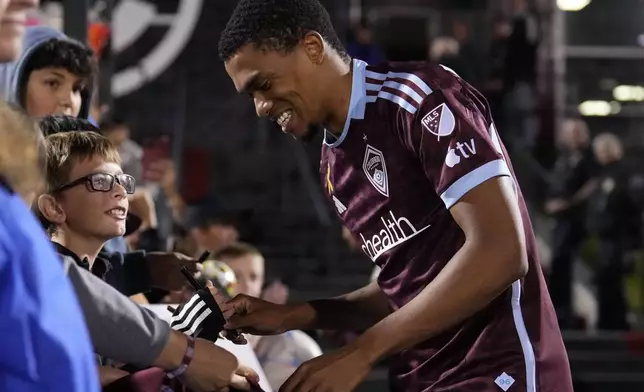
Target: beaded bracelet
<point>185,362</point>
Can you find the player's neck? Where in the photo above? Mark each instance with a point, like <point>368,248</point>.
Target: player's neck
<point>339,98</point>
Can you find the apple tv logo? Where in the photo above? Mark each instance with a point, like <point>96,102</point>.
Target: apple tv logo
<point>465,151</point>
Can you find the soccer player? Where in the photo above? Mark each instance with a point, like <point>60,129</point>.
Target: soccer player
<point>416,170</point>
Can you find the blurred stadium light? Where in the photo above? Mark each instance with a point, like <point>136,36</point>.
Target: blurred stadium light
<point>599,108</point>
<point>572,5</point>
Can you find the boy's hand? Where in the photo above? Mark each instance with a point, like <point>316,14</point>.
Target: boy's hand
<point>165,269</point>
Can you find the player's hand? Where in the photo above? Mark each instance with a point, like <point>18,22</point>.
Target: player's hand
<point>339,371</point>
<point>221,300</point>
<point>255,316</point>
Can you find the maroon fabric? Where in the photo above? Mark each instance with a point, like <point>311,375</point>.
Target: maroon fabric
<point>419,138</point>
<point>148,380</point>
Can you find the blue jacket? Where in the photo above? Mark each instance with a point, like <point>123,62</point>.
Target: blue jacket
<point>44,343</point>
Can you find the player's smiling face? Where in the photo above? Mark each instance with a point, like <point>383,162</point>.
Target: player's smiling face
<point>284,86</point>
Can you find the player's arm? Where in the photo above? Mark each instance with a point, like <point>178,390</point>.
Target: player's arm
<point>492,258</point>
<point>463,160</point>
<point>355,311</point>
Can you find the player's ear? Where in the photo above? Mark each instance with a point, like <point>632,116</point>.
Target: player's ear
<point>313,45</point>
<point>50,209</point>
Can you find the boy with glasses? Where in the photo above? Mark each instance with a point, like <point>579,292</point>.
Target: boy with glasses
<point>86,205</point>
<point>86,201</point>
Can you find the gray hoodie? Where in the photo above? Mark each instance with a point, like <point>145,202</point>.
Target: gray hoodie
<point>10,72</point>
<point>120,330</point>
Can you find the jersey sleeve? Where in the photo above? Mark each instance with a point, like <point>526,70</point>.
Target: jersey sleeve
<point>456,143</point>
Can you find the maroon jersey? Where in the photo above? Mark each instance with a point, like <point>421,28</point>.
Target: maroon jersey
<point>417,139</point>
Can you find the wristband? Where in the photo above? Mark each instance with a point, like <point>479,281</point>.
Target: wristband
<point>185,362</point>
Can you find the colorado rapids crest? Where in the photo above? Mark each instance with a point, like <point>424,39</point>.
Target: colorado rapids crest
<point>376,170</point>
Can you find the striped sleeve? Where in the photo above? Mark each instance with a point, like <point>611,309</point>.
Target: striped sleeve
<point>407,90</point>
<point>199,317</point>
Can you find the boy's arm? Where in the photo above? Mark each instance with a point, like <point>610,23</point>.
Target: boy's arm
<point>119,328</point>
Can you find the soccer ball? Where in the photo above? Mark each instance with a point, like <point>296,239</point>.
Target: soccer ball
<point>222,273</point>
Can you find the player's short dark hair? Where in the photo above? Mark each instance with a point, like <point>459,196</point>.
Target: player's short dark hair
<point>276,25</point>
<point>68,54</point>
<point>236,250</point>
<point>50,125</point>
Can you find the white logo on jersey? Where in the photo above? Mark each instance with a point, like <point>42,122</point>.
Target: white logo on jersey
<point>376,170</point>
<point>440,121</point>
<point>393,231</point>
<point>339,206</point>
<point>504,381</point>
<point>466,150</point>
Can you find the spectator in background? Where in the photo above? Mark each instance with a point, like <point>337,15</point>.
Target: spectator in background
<point>161,181</point>
<point>494,86</point>
<point>54,75</point>
<point>279,355</point>
<point>572,184</point>
<point>468,53</point>
<point>211,225</point>
<point>446,51</point>
<point>616,219</point>
<point>207,226</point>
<point>520,76</point>
<point>117,132</point>
<point>362,46</point>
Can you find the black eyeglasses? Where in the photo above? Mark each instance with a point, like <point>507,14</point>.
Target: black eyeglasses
<point>103,182</point>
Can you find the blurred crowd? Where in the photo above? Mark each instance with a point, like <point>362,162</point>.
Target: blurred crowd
<point>592,199</point>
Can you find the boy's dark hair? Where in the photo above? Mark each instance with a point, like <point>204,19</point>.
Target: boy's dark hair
<point>69,54</point>
<point>276,25</point>
<point>50,125</point>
